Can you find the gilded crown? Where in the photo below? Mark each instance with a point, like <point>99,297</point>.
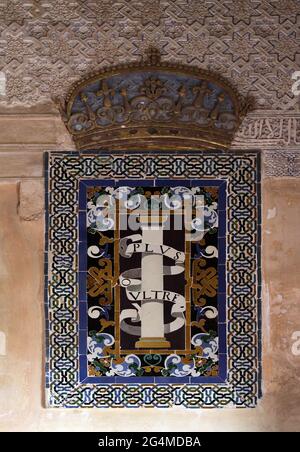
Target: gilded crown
<point>153,104</point>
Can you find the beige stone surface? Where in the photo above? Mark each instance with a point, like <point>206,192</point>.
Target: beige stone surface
<point>281,298</point>
<point>22,322</point>
<point>27,129</point>
<point>31,199</point>
<point>16,164</point>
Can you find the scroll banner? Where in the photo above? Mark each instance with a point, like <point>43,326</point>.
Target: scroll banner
<point>131,280</point>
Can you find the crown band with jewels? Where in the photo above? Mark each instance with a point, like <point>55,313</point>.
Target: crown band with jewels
<point>153,105</point>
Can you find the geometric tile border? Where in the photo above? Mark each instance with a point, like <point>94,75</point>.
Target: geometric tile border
<point>63,173</point>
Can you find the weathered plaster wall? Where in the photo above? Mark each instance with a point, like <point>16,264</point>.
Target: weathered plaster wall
<point>22,315</point>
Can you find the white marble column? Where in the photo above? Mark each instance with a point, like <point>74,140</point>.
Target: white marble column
<point>152,310</point>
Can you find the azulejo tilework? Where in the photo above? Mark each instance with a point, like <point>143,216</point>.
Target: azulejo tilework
<point>152,279</point>
<point>152,307</point>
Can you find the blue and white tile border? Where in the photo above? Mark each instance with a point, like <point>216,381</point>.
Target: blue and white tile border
<point>63,172</point>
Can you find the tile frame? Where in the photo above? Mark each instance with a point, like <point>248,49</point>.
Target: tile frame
<point>68,392</point>
<point>83,186</point>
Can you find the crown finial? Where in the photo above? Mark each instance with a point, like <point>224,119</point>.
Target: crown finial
<point>153,56</point>
<point>152,104</point>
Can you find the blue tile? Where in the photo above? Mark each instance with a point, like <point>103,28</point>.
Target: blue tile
<point>99,182</point>
<point>100,380</point>
<point>82,196</point>
<point>222,278</point>
<point>222,250</point>
<point>82,257</point>
<point>82,226</point>
<point>206,380</point>
<point>206,182</point>
<point>135,183</point>
<point>46,293</point>
<point>172,380</point>
<point>172,183</point>
<point>82,367</point>
<point>223,367</point>
<point>222,307</point>
<point>222,338</point>
<point>222,196</point>
<point>82,342</point>
<point>258,166</point>
<point>222,224</point>
<point>46,162</point>
<point>83,316</point>
<point>134,379</point>
<point>82,286</point>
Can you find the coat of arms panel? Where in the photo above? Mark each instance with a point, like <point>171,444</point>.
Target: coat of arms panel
<point>152,279</point>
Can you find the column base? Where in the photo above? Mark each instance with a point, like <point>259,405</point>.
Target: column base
<point>152,342</point>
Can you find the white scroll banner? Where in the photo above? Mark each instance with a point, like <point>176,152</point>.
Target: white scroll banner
<point>127,250</point>
<point>131,281</point>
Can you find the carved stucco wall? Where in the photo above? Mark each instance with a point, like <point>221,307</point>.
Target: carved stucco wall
<point>47,45</point>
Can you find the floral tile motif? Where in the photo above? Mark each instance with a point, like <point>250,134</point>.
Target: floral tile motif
<point>152,279</point>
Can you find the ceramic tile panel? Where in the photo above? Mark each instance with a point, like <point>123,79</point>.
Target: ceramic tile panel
<point>152,279</point>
